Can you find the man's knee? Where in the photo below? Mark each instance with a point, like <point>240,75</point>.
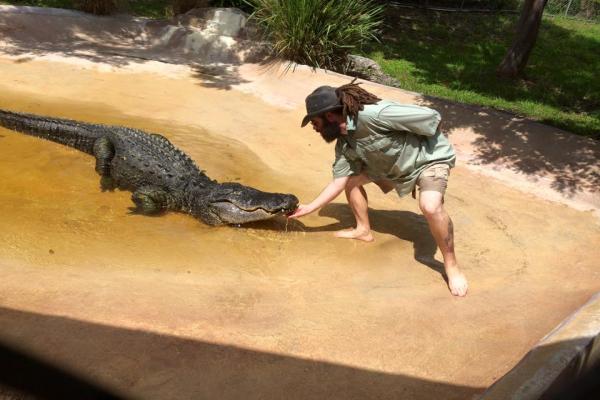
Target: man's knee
<point>431,203</point>
<point>355,181</point>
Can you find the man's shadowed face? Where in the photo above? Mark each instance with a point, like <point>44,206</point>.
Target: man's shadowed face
<point>329,131</point>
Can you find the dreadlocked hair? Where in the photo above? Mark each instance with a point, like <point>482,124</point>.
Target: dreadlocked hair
<point>353,99</point>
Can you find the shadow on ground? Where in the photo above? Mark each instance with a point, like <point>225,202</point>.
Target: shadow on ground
<point>405,225</point>
<point>222,77</point>
<point>527,147</point>
<point>147,365</point>
<point>120,41</point>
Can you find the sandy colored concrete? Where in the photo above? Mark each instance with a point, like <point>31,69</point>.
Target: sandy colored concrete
<point>169,308</point>
<point>567,353</point>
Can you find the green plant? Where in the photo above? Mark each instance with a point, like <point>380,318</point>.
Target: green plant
<point>241,4</point>
<point>98,7</point>
<point>183,6</point>
<point>319,33</point>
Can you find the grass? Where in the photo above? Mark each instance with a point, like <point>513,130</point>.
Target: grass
<point>455,57</point>
<point>150,8</point>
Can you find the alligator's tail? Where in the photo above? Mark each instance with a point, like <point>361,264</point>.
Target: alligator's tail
<point>74,134</point>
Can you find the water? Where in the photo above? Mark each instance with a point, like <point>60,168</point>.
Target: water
<point>54,214</point>
<point>53,211</point>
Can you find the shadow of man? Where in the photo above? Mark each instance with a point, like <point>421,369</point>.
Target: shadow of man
<point>405,225</point>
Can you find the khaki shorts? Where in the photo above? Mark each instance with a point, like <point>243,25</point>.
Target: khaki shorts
<point>434,177</point>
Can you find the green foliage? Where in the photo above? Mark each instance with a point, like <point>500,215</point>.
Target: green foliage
<point>98,7</point>
<point>150,8</point>
<point>467,4</point>
<point>456,56</point>
<point>319,33</point>
<point>168,8</point>
<point>183,6</point>
<point>241,4</point>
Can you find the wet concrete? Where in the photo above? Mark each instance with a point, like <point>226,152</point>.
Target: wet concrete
<point>166,307</point>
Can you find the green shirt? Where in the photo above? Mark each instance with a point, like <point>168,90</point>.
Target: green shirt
<point>392,141</point>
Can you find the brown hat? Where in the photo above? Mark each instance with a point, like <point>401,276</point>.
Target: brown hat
<point>321,100</point>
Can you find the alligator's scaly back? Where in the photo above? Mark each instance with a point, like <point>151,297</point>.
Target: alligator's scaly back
<point>74,134</point>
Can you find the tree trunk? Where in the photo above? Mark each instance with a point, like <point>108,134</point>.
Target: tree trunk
<point>515,60</point>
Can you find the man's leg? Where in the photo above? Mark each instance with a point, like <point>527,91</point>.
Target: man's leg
<point>357,199</point>
<point>440,224</point>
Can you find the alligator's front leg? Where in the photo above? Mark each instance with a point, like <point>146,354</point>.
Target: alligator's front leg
<point>104,151</point>
<point>151,200</point>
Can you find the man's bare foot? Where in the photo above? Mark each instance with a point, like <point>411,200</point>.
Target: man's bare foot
<point>457,281</point>
<point>354,233</point>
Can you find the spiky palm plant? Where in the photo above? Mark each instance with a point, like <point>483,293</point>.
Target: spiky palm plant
<point>319,33</point>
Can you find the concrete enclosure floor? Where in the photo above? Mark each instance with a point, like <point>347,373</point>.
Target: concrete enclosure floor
<point>169,308</point>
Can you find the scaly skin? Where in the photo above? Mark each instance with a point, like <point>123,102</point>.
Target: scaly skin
<point>161,177</point>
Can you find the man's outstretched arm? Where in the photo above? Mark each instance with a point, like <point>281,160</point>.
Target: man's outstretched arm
<point>330,192</point>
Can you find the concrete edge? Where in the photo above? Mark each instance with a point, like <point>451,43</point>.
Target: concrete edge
<point>566,353</point>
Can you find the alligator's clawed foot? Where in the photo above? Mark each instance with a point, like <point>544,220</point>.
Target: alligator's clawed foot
<point>149,200</point>
<point>107,184</point>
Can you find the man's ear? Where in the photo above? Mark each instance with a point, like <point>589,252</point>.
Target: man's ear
<point>330,116</point>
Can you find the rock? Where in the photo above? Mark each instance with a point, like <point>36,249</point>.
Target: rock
<point>365,68</point>
<point>363,65</point>
<point>209,35</point>
<point>216,21</point>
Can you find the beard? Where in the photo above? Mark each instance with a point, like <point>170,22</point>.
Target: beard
<point>331,131</point>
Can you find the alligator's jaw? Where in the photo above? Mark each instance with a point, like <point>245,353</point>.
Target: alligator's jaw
<point>232,214</point>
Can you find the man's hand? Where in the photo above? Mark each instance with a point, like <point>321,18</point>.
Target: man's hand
<point>330,192</point>
<point>301,211</point>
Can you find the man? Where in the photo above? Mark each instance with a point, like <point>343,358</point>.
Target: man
<point>396,146</point>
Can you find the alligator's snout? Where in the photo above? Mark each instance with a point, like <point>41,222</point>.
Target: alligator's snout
<point>280,203</point>
<point>237,204</point>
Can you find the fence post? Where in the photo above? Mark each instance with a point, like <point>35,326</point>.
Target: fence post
<point>567,10</point>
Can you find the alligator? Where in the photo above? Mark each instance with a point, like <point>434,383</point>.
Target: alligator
<point>161,177</point>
